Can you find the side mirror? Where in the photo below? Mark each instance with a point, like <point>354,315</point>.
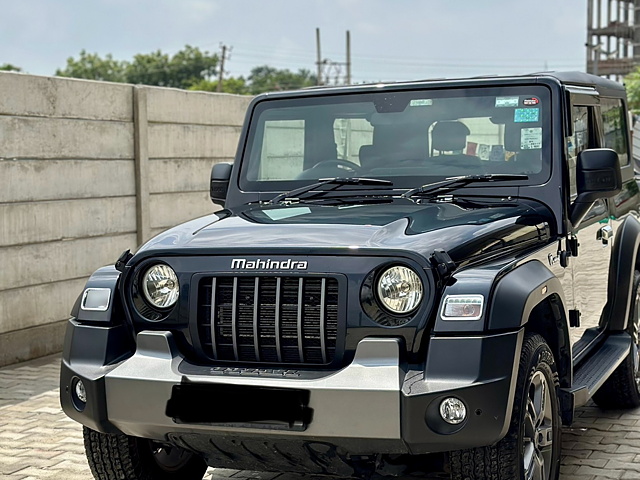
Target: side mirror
<point>220,175</point>
<point>597,176</point>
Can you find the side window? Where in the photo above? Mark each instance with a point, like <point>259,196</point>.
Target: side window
<point>614,125</point>
<point>576,143</point>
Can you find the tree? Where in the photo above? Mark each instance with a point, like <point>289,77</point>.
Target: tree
<point>7,67</point>
<point>268,79</point>
<point>632,82</point>
<point>187,67</point>
<point>237,85</point>
<point>93,67</point>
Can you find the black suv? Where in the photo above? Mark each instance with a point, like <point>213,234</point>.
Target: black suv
<point>399,270</point>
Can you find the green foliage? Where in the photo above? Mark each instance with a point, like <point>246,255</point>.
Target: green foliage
<point>187,67</point>
<point>632,83</point>
<point>92,67</point>
<point>268,79</point>
<point>237,85</point>
<point>190,68</point>
<point>7,67</point>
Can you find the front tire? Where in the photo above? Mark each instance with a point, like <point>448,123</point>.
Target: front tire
<point>117,457</point>
<point>531,448</point>
<point>622,388</point>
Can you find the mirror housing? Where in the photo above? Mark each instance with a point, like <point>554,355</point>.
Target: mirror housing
<point>597,176</point>
<point>220,175</point>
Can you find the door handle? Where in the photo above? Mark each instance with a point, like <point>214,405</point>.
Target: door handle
<point>605,234</point>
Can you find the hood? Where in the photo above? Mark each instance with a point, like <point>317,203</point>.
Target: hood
<point>464,230</point>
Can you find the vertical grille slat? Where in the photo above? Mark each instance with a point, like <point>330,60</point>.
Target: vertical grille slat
<point>212,319</point>
<point>269,319</point>
<point>323,333</point>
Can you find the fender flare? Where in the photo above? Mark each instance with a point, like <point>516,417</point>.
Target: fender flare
<point>515,297</point>
<point>621,272</point>
<point>105,277</point>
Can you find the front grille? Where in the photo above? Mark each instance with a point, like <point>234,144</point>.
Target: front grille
<point>269,319</point>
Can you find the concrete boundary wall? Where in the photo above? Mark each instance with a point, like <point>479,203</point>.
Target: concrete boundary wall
<point>87,170</point>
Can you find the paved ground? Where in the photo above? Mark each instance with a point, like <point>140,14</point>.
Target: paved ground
<point>37,441</point>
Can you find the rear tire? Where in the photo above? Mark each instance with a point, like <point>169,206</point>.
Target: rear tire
<point>531,448</point>
<point>117,457</point>
<point>622,388</point>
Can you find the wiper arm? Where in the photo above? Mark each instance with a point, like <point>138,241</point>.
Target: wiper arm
<point>457,182</point>
<point>337,182</point>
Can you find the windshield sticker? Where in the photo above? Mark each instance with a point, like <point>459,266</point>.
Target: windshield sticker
<point>472,148</point>
<point>420,102</point>
<point>282,213</point>
<point>523,115</point>
<point>531,138</point>
<point>507,101</point>
<point>497,153</point>
<point>529,102</point>
<point>483,151</point>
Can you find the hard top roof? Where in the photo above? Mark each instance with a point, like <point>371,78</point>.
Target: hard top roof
<point>603,85</point>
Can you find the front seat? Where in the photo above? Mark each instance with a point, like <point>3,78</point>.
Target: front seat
<point>449,138</point>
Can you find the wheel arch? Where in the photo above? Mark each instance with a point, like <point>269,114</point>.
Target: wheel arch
<point>621,275</point>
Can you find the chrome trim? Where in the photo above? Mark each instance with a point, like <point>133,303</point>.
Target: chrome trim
<point>323,319</point>
<point>299,319</point>
<point>98,309</point>
<point>277,319</point>
<point>234,318</point>
<point>256,341</point>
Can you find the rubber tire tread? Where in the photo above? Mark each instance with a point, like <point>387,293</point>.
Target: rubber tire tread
<point>620,390</point>
<point>502,461</point>
<point>120,457</point>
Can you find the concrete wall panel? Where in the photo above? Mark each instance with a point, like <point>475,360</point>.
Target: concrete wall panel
<point>38,263</point>
<point>37,222</point>
<point>181,175</point>
<point>170,209</point>
<point>29,95</point>
<point>38,305</point>
<point>37,180</point>
<point>192,141</point>
<point>31,137</point>
<point>179,106</point>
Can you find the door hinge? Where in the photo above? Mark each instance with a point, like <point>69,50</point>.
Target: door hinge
<point>574,318</point>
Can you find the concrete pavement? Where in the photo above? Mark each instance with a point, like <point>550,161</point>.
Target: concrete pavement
<point>37,441</point>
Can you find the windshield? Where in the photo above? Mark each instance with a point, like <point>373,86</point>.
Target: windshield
<point>410,138</point>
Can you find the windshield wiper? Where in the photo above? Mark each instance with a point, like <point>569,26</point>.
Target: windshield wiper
<point>457,182</point>
<point>337,182</point>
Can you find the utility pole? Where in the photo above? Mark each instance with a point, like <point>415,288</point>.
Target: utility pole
<point>348,79</point>
<point>221,74</point>
<point>318,58</point>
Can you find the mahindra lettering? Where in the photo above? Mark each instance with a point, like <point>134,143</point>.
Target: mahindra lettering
<point>404,278</point>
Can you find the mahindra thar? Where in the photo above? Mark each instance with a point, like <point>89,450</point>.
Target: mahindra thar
<point>400,272</point>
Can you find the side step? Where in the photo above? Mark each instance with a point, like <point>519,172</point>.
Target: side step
<point>591,374</point>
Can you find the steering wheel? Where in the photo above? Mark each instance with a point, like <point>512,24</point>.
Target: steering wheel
<point>342,164</point>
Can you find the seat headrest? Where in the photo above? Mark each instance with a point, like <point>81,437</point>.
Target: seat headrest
<point>449,135</point>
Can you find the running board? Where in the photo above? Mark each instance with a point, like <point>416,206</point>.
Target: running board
<point>591,374</point>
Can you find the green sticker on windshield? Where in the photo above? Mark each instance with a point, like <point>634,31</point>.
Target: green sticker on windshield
<point>420,102</point>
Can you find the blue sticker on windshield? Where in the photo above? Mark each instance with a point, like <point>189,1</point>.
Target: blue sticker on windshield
<point>522,115</point>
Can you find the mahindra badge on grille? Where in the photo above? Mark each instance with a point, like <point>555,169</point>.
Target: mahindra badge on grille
<point>268,264</point>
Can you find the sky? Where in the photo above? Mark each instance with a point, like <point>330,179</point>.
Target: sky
<point>391,40</point>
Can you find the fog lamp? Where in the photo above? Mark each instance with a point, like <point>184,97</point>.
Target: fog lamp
<point>81,393</point>
<point>453,411</point>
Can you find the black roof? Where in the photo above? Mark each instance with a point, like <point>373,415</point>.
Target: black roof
<point>603,85</point>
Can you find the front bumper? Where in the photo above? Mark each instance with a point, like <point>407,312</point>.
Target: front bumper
<point>375,405</point>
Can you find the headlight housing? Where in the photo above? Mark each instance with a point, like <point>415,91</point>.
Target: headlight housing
<point>160,286</point>
<point>400,290</point>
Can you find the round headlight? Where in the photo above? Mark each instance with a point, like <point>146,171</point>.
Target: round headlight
<point>160,286</point>
<point>400,290</point>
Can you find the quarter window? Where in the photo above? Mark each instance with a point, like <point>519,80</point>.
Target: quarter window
<point>615,126</point>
